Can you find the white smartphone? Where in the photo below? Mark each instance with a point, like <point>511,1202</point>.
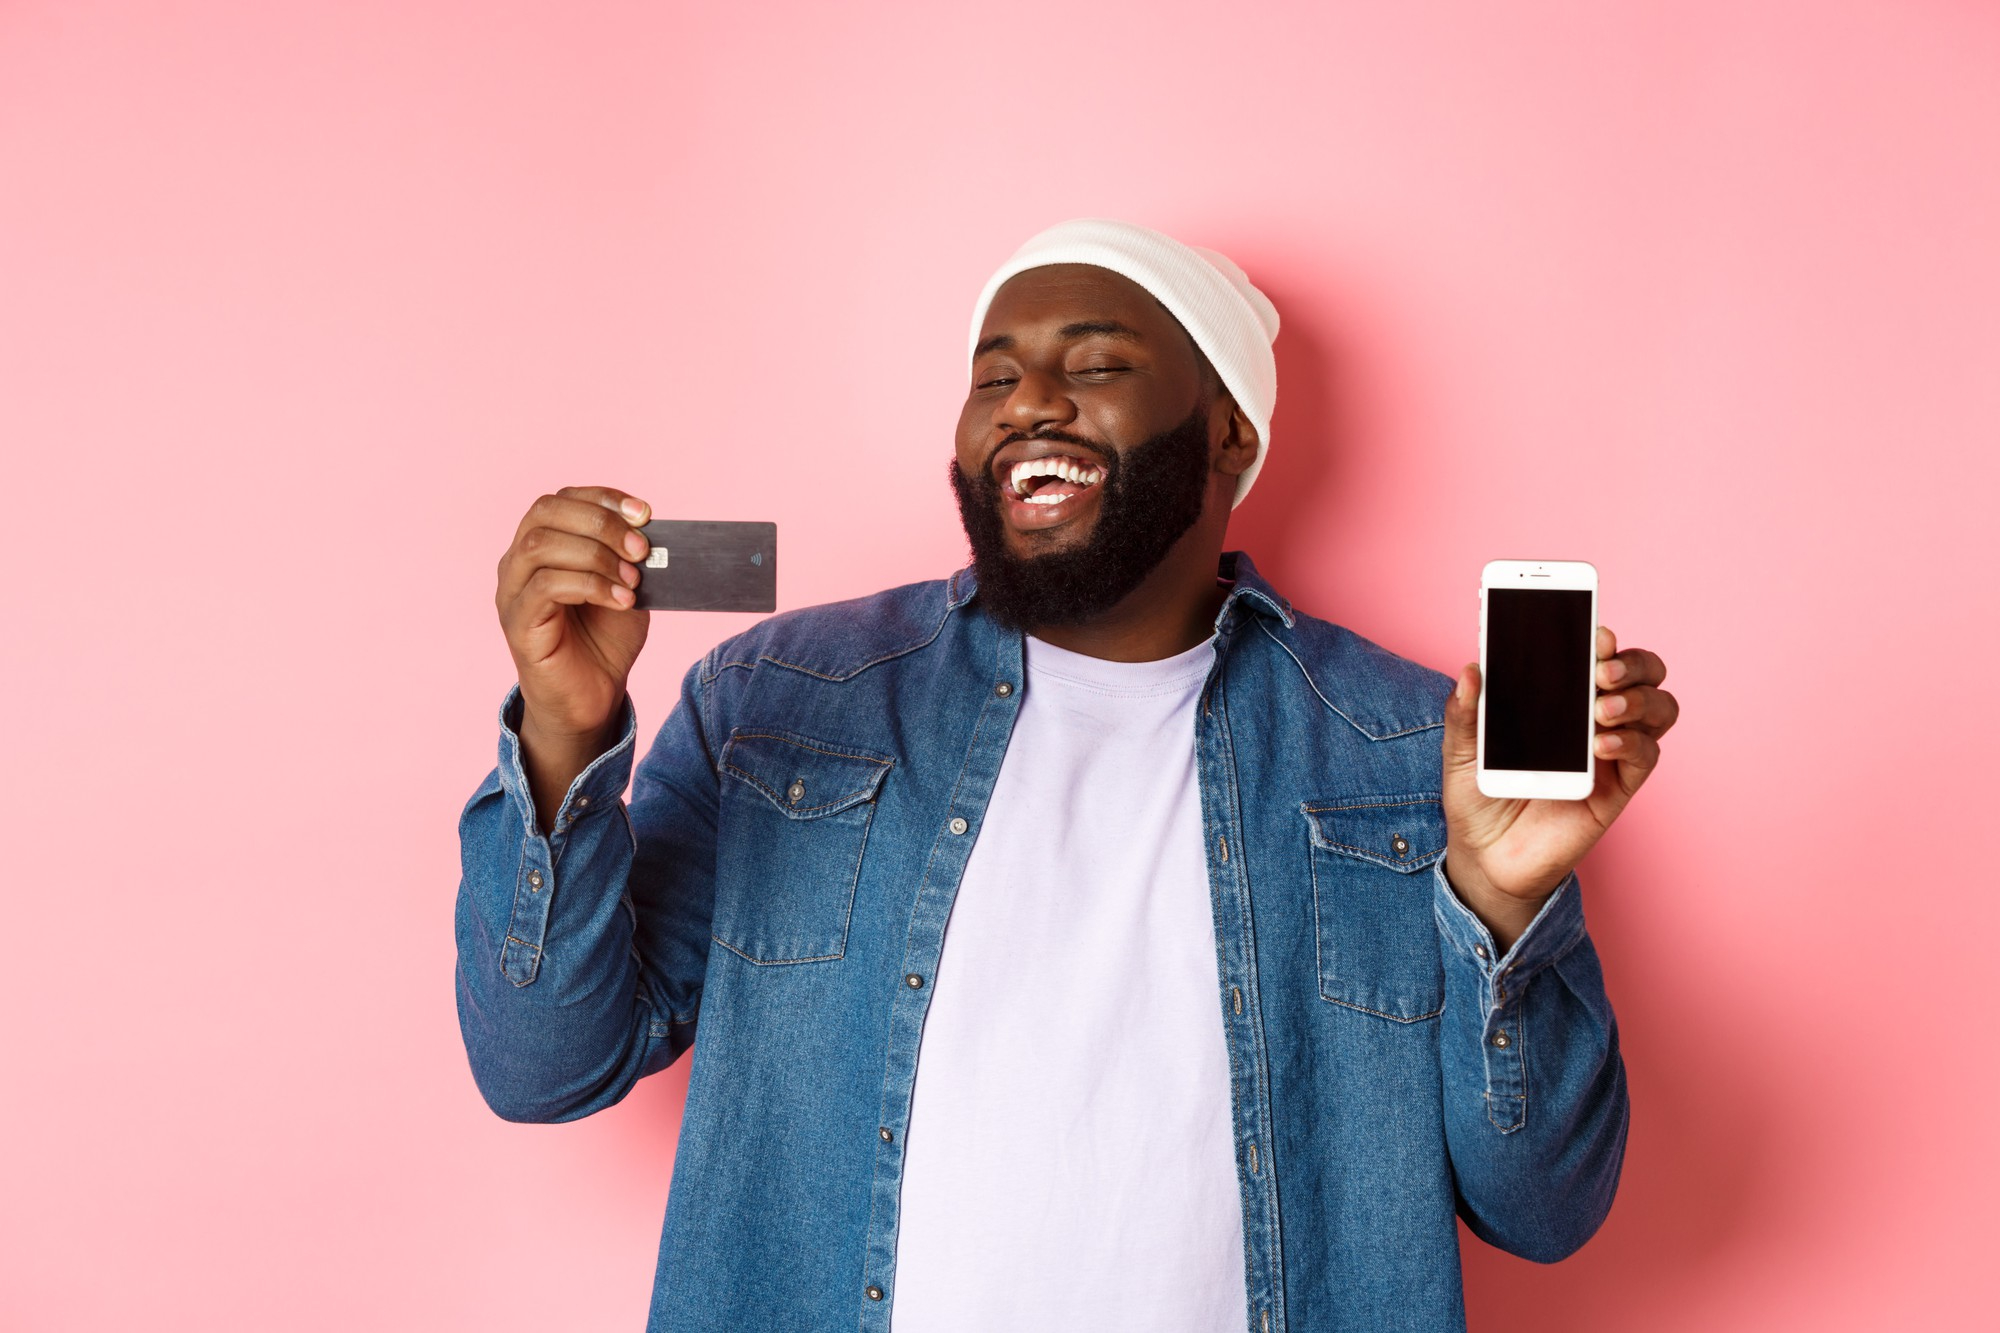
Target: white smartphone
<point>1538,668</point>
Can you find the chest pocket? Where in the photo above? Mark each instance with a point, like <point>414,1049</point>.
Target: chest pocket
<point>793,825</point>
<point>1378,940</point>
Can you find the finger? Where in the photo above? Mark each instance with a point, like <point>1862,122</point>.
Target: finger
<point>1634,666</point>
<point>585,518</point>
<point>1635,753</point>
<point>1641,706</point>
<point>1461,718</point>
<point>551,548</point>
<point>549,589</point>
<point>634,510</point>
<point>1607,643</point>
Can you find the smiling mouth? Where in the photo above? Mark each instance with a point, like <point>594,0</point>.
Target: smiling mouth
<point>1051,480</point>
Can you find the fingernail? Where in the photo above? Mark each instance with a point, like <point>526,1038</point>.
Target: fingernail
<point>1613,741</point>
<point>629,574</point>
<point>622,595</point>
<point>1616,671</point>
<point>634,510</point>
<point>635,545</point>
<point>1614,705</point>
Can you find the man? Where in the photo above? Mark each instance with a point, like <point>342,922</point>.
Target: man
<point>1082,941</point>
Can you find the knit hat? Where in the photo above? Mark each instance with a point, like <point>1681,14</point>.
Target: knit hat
<point>1230,320</point>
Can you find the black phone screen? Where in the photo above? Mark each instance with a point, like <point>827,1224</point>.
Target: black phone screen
<point>1538,690</point>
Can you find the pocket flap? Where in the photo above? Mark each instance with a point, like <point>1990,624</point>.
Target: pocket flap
<point>803,777</point>
<point>1404,833</point>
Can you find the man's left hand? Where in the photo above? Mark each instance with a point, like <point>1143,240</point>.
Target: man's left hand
<point>1506,856</point>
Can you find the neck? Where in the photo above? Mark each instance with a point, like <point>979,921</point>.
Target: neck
<point>1169,613</point>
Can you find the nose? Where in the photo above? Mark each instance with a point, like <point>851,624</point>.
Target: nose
<point>1036,403</point>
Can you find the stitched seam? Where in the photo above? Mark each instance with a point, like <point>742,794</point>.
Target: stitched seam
<point>1393,1018</point>
<point>769,962</point>
<point>1259,1053</point>
<point>844,799</point>
<point>855,797</point>
<point>860,858</point>
<point>816,749</point>
<point>1405,865</point>
<point>516,939</point>
<point>847,923</point>
<point>1313,685</point>
<point>1319,959</point>
<point>1241,1107</point>
<point>923,882</point>
<point>1423,858</point>
<point>1375,805</point>
<point>860,797</point>
<point>751,665</point>
<point>1520,1054</point>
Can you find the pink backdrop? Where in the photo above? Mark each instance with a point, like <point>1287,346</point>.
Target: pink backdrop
<point>300,305</point>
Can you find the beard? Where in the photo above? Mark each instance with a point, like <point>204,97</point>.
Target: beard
<point>1151,496</point>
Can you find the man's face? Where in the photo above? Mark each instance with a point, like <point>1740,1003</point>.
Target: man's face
<point>1084,447</point>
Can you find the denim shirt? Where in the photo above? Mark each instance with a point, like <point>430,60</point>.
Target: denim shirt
<point>781,880</point>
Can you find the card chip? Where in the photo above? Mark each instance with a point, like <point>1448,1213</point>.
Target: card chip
<point>656,558</point>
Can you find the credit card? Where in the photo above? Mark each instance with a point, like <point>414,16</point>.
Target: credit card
<point>696,565</point>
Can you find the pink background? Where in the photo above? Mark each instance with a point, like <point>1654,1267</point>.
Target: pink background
<point>301,305</point>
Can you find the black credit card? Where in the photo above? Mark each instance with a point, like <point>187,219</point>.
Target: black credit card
<point>702,566</point>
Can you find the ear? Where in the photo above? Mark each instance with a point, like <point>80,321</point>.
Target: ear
<point>1235,439</point>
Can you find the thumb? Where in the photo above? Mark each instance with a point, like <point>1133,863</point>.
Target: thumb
<point>1461,720</point>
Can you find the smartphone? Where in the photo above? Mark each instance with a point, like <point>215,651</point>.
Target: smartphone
<point>1538,667</point>
<point>695,565</point>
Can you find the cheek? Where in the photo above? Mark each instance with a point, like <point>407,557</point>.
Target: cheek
<point>970,441</point>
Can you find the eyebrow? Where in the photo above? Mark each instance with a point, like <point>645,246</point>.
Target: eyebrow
<point>1104,328</point>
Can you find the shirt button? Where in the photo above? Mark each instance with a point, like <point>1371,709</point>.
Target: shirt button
<point>582,802</point>
<point>887,1137</point>
<point>1500,1040</point>
<point>1401,845</point>
<point>1003,689</point>
<point>913,981</point>
<point>1480,949</point>
<point>874,1292</point>
<point>958,825</point>
<point>797,791</point>
<point>534,879</point>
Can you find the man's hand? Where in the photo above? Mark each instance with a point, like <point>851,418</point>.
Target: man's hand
<point>565,600</point>
<point>1505,857</point>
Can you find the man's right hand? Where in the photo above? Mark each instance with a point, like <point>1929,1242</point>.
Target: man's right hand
<point>565,600</point>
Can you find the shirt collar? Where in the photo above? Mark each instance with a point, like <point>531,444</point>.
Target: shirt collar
<point>1248,587</point>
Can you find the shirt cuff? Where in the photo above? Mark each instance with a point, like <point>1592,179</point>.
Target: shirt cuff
<point>596,789</point>
<point>1555,931</point>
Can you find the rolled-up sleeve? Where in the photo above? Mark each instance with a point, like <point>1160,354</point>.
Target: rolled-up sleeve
<point>581,947</point>
<point>1535,1101</point>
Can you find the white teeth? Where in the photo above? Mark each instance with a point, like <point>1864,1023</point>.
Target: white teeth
<point>1028,469</point>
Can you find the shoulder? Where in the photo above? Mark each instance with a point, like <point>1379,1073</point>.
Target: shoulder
<point>1381,693</point>
<point>838,640</point>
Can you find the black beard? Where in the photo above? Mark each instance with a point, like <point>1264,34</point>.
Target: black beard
<point>1150,497</point>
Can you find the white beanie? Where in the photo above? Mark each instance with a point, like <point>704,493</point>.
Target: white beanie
<point>1230,321</point>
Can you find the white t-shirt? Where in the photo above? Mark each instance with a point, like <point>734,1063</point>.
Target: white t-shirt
<point>1070,1162</point>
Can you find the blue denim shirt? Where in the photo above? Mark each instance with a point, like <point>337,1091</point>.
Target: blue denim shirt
<point>781,880</point>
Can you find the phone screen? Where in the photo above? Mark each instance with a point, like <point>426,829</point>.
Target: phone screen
<point>1538,695</point>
